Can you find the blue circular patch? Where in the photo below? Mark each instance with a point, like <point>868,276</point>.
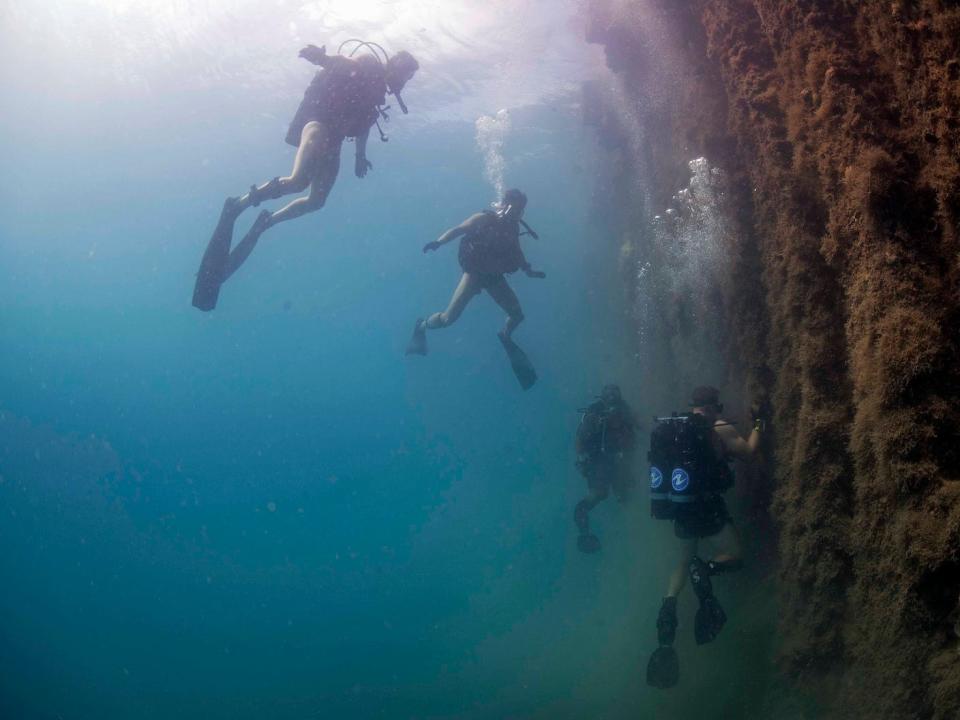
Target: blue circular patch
<point>679,480</point>
<point>656,477</point>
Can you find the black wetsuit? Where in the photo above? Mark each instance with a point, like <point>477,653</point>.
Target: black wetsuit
<point>605,442</point>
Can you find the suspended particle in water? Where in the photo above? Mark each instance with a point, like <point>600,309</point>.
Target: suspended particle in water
<point>272,506</point>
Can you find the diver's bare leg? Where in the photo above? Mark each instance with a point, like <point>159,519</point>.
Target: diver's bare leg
<point>314,142</point>
<point>467,289</point>
<point>325,175</point>
<point>730,556</point>
<point>324,178</point>
<point>507,299</point>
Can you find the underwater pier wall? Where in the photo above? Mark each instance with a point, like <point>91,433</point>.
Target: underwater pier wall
<point>835,295</point>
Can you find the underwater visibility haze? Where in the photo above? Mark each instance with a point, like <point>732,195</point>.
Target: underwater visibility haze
<point>270,510</point>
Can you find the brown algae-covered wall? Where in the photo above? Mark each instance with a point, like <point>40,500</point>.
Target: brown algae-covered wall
<point>838,127</point>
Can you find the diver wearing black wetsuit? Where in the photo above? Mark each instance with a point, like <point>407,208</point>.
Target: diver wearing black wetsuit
<point>605,441</point>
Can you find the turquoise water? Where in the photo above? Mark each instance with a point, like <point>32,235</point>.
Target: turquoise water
<point>267,510</point>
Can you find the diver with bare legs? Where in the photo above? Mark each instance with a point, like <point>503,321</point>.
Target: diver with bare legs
<point>344,100</point>
<point>489,250</point>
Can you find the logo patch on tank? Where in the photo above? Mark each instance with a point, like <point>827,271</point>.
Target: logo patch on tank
<point>680,480</point>
<point>656,478</point>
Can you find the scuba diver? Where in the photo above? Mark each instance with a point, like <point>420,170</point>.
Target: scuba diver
<point>605,442</point>
<point>345,100</point>
<point>489,249</point>
<point>690,459</point>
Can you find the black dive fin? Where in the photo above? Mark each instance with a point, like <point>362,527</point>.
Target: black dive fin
<point>213,266</point>
<point>418,343</point>
<point>239,255</point>
<point>709,621</point>
<point>663,669</point>
<point>522,367</point>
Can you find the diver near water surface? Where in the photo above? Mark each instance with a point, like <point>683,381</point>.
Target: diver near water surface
<point>489,250</point>
<point>344,100</point>
<point>689,472</point>
<point>605,442</point>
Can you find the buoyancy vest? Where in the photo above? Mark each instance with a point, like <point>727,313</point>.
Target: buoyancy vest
<point>686,463</point>
<point>493,247</point>
<point>605,431</point>
<point>345,97</point>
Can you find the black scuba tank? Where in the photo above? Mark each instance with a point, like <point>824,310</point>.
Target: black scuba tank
<point>662,458</point>
<point>684,465</point>
<point>693,464</point>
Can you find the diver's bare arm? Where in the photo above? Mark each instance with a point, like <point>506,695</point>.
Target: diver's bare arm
<point>318,56</point>
<point>454,232</point>
<point>736,445</point>
<point>528,269</point>
<point>461,229</point>
<point>362,165</point>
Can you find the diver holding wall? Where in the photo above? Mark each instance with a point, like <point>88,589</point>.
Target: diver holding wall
<point>605,442</point>
<point>344,100</point>
<point>689,472</point>
<point>489,250</point>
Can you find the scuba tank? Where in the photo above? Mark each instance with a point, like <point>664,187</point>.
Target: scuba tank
<point>684,465</point>
<point>591,432</point>
<point>662,457</point>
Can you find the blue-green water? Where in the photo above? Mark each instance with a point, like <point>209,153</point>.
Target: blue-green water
<point>267,510</point>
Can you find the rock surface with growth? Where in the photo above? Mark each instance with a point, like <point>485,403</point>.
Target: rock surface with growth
<point>837,125</point>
